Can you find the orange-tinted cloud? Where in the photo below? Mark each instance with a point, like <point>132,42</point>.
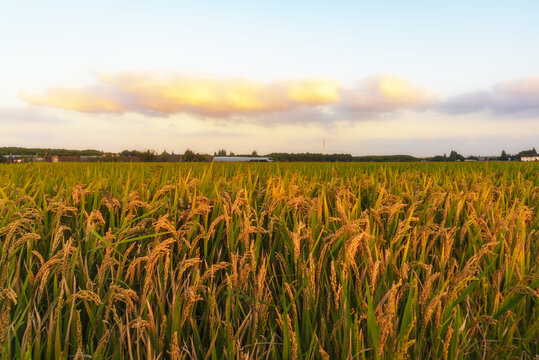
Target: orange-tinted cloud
<point>384,94</point>
<point>215,97</point>
<point>90,99</point>
<point>148,93</point>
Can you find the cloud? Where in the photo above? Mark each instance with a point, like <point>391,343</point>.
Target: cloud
<point>385,94</point>
<point>509,97</point>
<point>283,101</point>
<point>91,99</point>
<point>148,93</point>
<point>313,100</point>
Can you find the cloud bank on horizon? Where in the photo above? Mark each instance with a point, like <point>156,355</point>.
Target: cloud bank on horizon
<point>163,95</point>
<point>509,97</point>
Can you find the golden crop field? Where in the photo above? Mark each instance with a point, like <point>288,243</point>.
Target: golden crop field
<point>269,261</point>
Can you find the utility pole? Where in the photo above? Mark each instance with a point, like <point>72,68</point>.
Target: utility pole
<point>323,145</point>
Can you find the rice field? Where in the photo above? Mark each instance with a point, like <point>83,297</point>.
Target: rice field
<point>269,261</point>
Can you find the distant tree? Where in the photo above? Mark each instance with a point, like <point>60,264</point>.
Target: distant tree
<point>149,155</point>
<point>221,152</point>
<point>254,153</point>
<point>531,152</point>
<point>42,151</point>
<point>134,153</point>
<point>504,156</point>
<point>232,154</point>
<point>455,156</point>
<point>377,158</point>
<point>438,158</point>
<point>188,155</point>
<point>164,153</point>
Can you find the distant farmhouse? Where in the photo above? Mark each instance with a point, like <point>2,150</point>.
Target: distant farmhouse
<point>529,158</point>
<point>241,159</point>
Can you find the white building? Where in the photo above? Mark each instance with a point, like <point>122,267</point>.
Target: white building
<point>241,159</point>
<point>529,158</point>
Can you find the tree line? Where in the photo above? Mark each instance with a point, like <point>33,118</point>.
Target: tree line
<point>191,156</point>
<point>46,151</point>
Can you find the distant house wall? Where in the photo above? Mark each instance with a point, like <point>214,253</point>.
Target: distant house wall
<point>530,158</point>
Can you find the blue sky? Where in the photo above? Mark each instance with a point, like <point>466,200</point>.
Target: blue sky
<point>419,77</point>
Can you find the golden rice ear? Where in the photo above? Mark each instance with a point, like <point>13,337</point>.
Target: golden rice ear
<point>268,261</point>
